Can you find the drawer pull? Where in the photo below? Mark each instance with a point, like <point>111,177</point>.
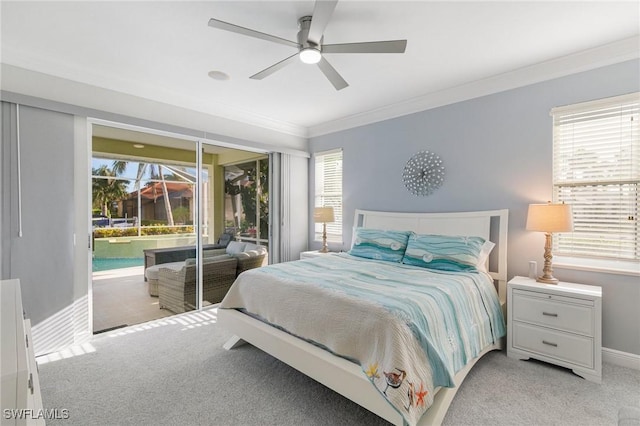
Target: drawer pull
<point>555,345</point>
<point>549,314</point>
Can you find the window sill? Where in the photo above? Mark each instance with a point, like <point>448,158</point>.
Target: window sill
<point>619,267</point>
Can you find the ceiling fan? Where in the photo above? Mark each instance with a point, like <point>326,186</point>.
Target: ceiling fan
<point>309,44</point>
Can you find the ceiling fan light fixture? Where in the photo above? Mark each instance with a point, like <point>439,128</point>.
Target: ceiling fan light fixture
<point>310,55</point>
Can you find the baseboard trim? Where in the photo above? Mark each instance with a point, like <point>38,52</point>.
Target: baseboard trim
<point>623,359</point>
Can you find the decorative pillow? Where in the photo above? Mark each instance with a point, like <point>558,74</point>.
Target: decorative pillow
<point>255,247</point>
<point>444,253</point>
<point>235,247</point>
<point>379,245</point>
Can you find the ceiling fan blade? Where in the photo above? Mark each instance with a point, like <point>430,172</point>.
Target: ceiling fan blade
<point>273,68</point>
<point>249,32</point>
<point>338,82</point>
<point>391,46</point>
<point>322,11</point>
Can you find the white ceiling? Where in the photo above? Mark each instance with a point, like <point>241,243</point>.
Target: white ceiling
<point>163,50</point>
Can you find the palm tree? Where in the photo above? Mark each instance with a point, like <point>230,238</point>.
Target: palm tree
<point>108,189</point>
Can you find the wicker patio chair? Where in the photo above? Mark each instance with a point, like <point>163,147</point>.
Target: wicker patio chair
<point>246,263</point>
<point>177,288</point>
<point>249,259</point>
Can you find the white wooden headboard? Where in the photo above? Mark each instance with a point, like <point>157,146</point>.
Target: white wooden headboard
<point>478,224</point>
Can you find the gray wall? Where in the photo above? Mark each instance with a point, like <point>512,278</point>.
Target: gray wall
<point>497,151</point>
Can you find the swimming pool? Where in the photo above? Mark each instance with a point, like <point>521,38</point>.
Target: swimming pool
<point>105,264</point>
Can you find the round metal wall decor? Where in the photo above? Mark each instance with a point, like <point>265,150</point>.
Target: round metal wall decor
<point>423,174</point>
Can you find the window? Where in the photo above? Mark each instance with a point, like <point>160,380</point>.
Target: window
<point>596,169</point>
<point>328,192</point>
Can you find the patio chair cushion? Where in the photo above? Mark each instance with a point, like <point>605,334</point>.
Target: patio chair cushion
<point>214,252</point>
<point>235,247</point>
<point>206,259</point>
<point>151,273</point>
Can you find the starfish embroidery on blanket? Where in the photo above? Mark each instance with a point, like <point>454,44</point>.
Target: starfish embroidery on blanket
<point>420,395</point>
<point>372,371</point>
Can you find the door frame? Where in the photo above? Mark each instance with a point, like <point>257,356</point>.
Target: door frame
<point>83,268</point>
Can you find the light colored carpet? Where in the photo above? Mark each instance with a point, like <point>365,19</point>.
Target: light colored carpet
<point>173,371</point>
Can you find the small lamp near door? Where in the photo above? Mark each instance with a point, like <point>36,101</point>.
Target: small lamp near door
<point>323,215</point>
<point>549,218</point>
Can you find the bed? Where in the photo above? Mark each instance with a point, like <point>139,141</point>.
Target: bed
<point>354,371</point>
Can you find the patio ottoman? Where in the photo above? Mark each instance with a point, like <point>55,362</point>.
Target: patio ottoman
<point>151,274</point>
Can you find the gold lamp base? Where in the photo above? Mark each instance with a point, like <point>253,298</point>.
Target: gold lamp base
<point>325,247</point>
<point>547,272</point>
<point>551,280</point>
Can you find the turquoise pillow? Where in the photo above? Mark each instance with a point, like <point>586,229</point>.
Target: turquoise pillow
<point>379,245</point>
<point>444,253</point>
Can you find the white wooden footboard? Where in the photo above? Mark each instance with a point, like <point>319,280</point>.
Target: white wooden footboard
<point>322,366</point>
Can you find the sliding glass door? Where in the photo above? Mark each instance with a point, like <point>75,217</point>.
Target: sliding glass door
<point>163,211</point>
<point>247,200</point>
<point>144,227</point>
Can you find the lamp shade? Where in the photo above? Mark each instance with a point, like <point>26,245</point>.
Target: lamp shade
<point>323,214</point>
<point>550,218</point>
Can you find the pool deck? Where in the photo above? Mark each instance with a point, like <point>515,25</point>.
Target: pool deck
<point>121,297</point>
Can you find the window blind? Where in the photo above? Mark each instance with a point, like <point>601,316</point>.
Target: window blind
<point>596,169</point>
<point>328,192</point>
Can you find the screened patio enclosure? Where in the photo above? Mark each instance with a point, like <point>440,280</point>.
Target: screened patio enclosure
<point>153,204</point>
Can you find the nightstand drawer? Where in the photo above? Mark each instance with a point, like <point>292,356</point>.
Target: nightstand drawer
<point>554,312</point>
<point>571,348</point>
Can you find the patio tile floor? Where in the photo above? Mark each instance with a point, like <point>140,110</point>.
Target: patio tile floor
<point>121,297</point>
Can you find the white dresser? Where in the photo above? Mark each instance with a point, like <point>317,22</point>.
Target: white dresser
<point>20,392</point>
<point>560,324</point>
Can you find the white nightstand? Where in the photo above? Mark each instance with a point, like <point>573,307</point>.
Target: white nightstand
<point>560,324</point>
<point>312,253</point>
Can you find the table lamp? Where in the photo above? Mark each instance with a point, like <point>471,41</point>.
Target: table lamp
<point>549,218</point>
<point>323,215</point>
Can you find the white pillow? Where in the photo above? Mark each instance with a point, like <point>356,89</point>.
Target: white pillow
<point>235,247</point>
<point>485,251</point>
<point>255,247</point>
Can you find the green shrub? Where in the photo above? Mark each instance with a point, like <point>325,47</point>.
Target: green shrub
<point>133,232</point>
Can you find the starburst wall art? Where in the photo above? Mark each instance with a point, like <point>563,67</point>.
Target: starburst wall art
<point>423,173</point>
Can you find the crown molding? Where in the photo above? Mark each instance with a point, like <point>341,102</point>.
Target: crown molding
<point>620,51</point>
